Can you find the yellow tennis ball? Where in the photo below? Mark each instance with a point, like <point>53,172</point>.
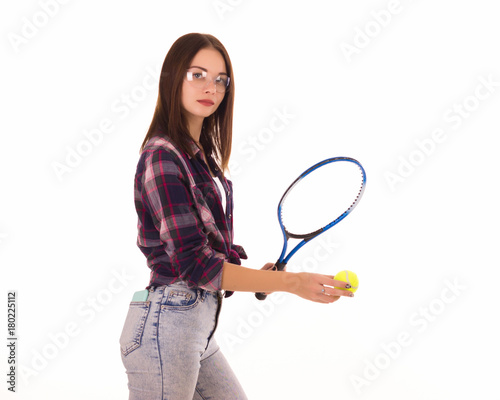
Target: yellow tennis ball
<point>348,277</point>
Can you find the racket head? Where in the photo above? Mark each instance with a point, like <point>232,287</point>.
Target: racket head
<point>321,197</point>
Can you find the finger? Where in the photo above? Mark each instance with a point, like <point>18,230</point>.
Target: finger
<point>335,298</point>
<point>323,299</point>
<point>268,266</point>
<point>327,299</point>
<point>338,292</point>
<point>336,283</point>
<point>330,295</point>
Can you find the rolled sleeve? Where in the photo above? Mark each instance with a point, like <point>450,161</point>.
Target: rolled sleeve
<point>166,194</point>
<point>236,254</point>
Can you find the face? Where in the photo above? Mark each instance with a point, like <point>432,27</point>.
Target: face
<point>198,101</point>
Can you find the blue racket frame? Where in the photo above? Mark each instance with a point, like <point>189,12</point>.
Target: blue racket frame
<point>283,260</point>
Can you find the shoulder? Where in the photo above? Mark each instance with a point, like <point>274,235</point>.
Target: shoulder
<point>161,157</point>
<point>161,145</point>
<point>161,148</point>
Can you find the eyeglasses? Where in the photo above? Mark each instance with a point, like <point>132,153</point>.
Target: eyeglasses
<point>200,79</point>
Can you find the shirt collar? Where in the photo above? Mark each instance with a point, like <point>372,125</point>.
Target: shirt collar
<point>194,148</point>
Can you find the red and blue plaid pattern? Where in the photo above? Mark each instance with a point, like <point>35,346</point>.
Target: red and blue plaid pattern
<point>182,228</point>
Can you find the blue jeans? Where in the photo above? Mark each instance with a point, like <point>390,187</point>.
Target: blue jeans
<point>169,351</point>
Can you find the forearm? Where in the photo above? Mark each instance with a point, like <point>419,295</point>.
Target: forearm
<point>310,286</point>
<point>242,279</point>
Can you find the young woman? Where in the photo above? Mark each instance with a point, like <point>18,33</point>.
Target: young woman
<point>185,229</point>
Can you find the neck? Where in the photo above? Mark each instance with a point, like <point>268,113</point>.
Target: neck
<point>194,126</point>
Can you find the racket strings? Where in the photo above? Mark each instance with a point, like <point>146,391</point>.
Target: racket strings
<point>320,197</point>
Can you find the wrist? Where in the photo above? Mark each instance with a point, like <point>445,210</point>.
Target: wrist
<point>291,281</point>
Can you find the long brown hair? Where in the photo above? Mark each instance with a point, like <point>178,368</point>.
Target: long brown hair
<point>169,118</point>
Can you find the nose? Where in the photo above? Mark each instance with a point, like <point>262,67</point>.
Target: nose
<point>210,87</point>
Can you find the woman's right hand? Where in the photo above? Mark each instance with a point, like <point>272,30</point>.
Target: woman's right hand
<point>316,287</point>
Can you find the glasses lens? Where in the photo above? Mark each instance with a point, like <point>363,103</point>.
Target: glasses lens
<point>222,83</point>
<point>199,79</point>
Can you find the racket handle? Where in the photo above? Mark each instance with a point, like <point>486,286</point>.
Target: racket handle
<point>261,296</point>
<point>279,266</point>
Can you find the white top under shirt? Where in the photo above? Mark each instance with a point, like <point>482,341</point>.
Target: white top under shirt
<point>222,193</point>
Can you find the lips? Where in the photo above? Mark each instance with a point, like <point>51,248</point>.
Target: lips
<point>206,103</point>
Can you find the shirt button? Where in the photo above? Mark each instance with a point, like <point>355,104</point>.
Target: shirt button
<point>230,216</point>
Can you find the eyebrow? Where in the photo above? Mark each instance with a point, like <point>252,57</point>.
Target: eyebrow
<point>204,69</point>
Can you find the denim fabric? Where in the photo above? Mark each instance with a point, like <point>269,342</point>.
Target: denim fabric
<point>169,351</point>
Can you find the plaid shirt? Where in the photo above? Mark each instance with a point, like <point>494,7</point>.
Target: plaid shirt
<point>174,230</point>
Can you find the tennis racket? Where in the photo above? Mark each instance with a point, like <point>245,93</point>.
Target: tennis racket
<point>321,197</point>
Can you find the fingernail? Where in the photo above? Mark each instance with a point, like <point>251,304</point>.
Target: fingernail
<point>347,286</point>
<point>351,295</point>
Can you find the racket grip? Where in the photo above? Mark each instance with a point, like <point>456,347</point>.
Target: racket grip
<point>261,296</point>
<point>279,266</point>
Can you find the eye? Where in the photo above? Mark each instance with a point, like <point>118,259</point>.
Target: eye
<point>221,80</point>
<point>196,74</point>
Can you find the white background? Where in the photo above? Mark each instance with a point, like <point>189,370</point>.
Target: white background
<point>426,222</point>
